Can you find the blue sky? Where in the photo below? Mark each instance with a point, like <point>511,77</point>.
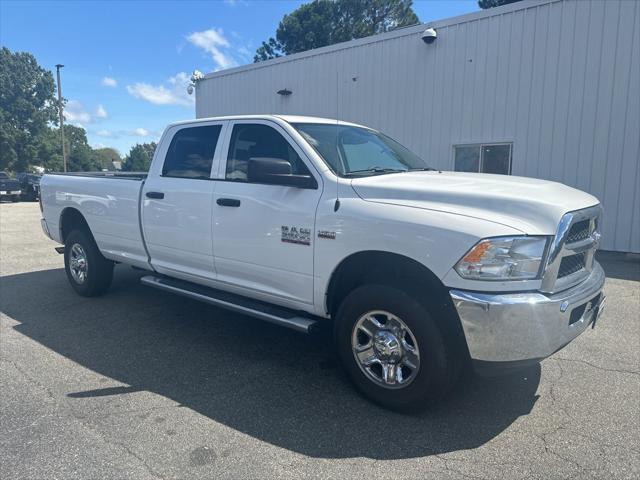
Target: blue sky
<point>127,62</point>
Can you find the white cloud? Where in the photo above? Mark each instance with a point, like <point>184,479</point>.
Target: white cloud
<point>175,93</point>
<point>74,112</point>
<point>140,132</point>
<point>101,112</point>
<point>215,43</point>
<point>109,82</point>
<point>104,133</point>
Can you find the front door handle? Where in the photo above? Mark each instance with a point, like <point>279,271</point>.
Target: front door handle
<point>228,202</point>
<point>157,195</point>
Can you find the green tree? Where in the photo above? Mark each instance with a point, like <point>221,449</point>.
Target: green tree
<point>49,152</point>
<point>106,156</point>
<point>80,157</point>
<point>139,158</point>
<point>325,22</point>
<point>494,3</point>
<point>27,107</point>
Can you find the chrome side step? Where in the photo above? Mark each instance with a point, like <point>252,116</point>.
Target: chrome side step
<point>253,308</point>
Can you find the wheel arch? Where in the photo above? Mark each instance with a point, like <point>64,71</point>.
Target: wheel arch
<point>72,219</point>
<point>394,269</point>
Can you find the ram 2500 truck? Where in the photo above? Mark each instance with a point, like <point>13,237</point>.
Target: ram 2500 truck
<point>299,221</point>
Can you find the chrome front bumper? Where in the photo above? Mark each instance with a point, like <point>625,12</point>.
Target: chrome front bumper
<point>520,328</point>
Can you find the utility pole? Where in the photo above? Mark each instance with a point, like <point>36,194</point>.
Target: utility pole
<point>60,107</point>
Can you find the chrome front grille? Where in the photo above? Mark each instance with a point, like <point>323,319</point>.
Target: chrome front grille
<point>579,231</point>
<point>571,264</point>
<point>571,256</point>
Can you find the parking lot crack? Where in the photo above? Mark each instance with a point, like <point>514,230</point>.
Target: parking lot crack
<point>79,419</point>
<point>604,369</point>
<point>121,446</point>
<point>448,468</point>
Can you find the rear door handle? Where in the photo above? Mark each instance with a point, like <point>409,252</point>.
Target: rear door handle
<point>228,202</point>
<point>158,195</point>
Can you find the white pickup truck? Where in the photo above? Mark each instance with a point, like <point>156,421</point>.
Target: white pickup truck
<point>299,221</point>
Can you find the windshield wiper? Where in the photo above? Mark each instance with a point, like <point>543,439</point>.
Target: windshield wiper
<point>375,171</point>
<point>425,169</point>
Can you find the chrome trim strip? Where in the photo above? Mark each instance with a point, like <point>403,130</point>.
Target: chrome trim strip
<point>582,245</point>
<point>300,324</point>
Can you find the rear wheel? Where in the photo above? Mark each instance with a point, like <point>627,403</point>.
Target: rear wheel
<point>392,349</point>
<point>89,273</point>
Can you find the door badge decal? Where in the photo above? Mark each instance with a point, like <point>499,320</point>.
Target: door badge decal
<point>298,235</point>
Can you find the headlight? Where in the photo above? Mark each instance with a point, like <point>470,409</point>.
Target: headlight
<point>504,258</point>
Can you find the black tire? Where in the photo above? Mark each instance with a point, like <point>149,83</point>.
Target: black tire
<point>15,198</point>
<point>99,271</point>
<point>439,362</point>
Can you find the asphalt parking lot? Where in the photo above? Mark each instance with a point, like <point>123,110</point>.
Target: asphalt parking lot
<point>141,384</point>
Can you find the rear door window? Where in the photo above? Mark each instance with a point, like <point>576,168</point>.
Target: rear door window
<point>191,151</point>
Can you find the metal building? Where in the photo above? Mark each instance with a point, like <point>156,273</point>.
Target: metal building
<point>540,88</point>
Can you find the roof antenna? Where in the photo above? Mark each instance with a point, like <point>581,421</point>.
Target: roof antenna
<point>336,206</point>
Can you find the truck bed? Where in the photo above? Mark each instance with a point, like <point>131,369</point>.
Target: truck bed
<point>110,203</point>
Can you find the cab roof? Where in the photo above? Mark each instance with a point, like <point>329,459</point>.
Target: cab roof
<point>286,118</point>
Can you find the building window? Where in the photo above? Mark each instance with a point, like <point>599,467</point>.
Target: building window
<point>484,158</point>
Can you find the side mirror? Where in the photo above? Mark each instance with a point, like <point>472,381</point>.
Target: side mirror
<point>277,171</point>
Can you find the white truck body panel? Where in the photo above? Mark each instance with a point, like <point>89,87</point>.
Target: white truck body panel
<point>530,205</point>
<point>110,207</point>
<point>178,228</point>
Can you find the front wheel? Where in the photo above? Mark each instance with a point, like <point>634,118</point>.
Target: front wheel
<point>392,349</point>
<point>89,273</point>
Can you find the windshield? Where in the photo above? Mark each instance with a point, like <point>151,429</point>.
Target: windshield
<point>356,151</point>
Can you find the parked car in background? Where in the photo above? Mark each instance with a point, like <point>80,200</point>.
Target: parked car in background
<point>30,186</point>
<point>9,188</point>
<point>301,221</point>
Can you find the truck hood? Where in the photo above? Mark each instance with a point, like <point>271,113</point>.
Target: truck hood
<point>532,206</point>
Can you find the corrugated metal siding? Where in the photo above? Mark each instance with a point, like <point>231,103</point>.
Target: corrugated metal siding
<point>559,79</point>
